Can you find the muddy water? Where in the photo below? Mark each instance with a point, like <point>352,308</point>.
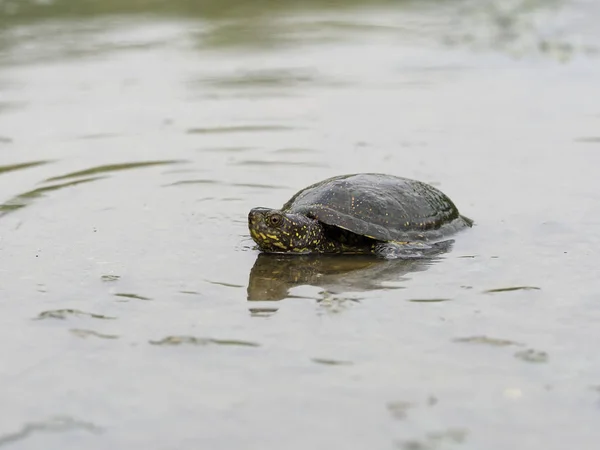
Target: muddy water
<point>136,312</point>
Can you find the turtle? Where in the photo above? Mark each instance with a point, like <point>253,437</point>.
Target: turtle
<point>362,213</point>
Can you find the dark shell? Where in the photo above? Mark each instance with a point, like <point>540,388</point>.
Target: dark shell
<point>379,206</point>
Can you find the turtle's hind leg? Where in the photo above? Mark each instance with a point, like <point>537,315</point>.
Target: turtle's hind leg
<point>411,250</point>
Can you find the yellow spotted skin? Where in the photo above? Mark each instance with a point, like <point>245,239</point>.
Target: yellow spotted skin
<point>354,214</point>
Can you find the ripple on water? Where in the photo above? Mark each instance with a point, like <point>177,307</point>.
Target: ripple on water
<point>225,183</point>
<point>195,181</point>
<point>54,425</point>
<point>110,278</point>
<point>10,106</point>
<point>126,296</point>
<point>264,78</point>
<point>588,140</point>
<point>511,289</point>
<point>240,129</point>
<point>399,409</point>
<point>262,312</point>
<point>436,439</point>
<point>429,300</point>
<point>97,136</point>
<point>331,362</point>
<point>21,166</point>
<point>67,313</point>
<point>333,304</point>
<point>82,333</point>
<point>222,283</point>
<point>262,163</point>
<point>26,198</point>
<point>259,186</point>
<point>227,149</point>
<point>108,168</point>
<point>532,356</point>
<point>294,151</point>
<point>494,342</point>
<point>201,341</point>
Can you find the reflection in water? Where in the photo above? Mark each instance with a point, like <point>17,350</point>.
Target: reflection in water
<point>273,275</point>
<point>211,9</point>
<point>517,27</point>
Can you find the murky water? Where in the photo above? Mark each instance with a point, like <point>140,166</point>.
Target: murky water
<point>135,311</point>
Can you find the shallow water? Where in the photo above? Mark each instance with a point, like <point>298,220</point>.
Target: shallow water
<point>133,142</point>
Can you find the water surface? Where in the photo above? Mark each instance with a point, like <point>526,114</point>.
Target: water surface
<point>135,137</point>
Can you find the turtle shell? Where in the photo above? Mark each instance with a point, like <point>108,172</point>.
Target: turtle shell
<point>378,206</point>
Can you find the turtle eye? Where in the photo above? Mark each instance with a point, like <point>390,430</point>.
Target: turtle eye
<point>275,220</point>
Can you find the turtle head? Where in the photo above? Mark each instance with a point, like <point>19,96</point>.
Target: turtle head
<point>277,231</point>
